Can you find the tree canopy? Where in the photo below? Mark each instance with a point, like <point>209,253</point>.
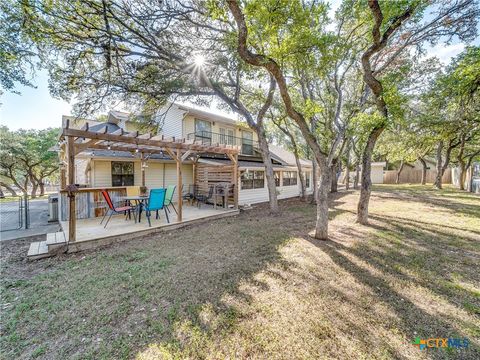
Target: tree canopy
<point>334,83</point>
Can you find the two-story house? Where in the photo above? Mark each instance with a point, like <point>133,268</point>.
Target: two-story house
<point>109,168</point>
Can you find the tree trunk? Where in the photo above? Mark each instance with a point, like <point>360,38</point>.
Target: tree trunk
<point>9,188</point>
<point>2,195</point>
<point>347,170</point>
<point>333,176</point>
<point>397,179</point>
<point>424,170</point>
<point>438,178</point>
<point>303,190</point>
<point>321,226</point>
<point>366,187</point>
<point>267,161</point>
<point>314,181</point>
<point>462,175</point>
<point>461,163</point>
<point>41,185</point>
<point>357,176</point>
<point>33,193</point>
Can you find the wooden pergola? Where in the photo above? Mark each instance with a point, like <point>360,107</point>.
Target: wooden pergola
<point>74,141</point>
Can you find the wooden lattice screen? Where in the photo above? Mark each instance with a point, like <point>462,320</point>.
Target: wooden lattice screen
<point>207,175</point>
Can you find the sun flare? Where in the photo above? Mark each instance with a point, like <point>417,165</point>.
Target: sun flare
<point>199,60</point>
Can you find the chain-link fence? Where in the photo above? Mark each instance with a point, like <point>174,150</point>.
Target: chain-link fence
<point>13,212</point>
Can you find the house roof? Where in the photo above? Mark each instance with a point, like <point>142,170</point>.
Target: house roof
<point>111,127</point>
<point>241,163</point>
<point>115,116</point>
<point>124,154</point>
<point>209,115</point>
<point>286,157</point>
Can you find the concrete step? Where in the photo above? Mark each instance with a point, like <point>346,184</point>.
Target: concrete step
<point>38,250</point>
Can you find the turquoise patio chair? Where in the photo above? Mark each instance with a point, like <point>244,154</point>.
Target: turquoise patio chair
<point>156,201</point>
<point>169,197</point>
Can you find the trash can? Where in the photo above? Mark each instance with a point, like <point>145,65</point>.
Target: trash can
<point>52,207</point>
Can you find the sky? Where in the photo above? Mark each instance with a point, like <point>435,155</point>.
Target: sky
<point>35,108</point>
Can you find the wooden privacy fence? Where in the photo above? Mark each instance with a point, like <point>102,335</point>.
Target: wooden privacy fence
<point>412,176</point>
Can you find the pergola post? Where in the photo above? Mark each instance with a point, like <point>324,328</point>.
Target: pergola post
<point>142,167</point>
<point>72,216</point>
<point>63,177</point>
<point>179,184</point>
<point>234,159</point>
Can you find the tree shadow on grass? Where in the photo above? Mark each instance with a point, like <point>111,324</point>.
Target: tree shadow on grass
<point>413,319</point>
<point>164,289</point>
<point>186,293</point>
<point>436,198</point>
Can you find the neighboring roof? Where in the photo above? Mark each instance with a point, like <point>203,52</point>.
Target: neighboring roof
<point>286,157</point>
<point>111,127</point>
<point>115,116</point>
<point>379,163</point>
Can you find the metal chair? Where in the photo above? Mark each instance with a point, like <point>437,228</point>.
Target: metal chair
<point>156,201</point>
<point>203,198</point>
<point>169,197</point>
<point>115,210</point>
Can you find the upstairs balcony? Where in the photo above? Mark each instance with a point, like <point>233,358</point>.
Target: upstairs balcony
<point>209,138</point>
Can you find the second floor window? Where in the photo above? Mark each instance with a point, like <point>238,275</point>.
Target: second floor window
<point>203,131</point>
<point>230,137</point>
<point>122,173</point>
<point>289,178</point>
<point>247,143</point>
<point>226,136</point>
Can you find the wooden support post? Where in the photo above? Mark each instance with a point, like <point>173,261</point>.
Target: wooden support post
<point>72,216</point>
<point>179,184</point>
<point>63,177</point>
<point>142,167</point>
<point>194,169</point>
<point>235,182</point>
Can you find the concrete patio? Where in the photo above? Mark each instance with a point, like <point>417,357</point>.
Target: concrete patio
<point>91,234</point>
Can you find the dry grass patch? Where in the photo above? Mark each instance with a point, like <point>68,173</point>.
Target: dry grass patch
<point>257,286</point>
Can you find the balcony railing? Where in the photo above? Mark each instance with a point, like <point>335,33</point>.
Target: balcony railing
<point>211,138</point>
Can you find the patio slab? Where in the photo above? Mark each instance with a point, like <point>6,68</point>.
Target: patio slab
<point>91,234</point>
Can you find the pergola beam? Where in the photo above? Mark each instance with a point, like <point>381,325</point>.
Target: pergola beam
<point>186,155</point>
<point>136,141</point>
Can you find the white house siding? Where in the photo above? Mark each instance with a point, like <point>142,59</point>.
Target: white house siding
<point>171,121</point>
<point>171,176</point>
<point>101,175</point>
<point>255,196</point>
<point>157,174</point>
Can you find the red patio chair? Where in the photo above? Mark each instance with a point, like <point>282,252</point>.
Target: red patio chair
<point>115,210</point>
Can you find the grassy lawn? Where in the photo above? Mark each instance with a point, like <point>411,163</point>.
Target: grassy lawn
<point>256,286</point>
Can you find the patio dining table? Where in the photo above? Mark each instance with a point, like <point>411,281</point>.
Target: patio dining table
<point>140,201</point>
